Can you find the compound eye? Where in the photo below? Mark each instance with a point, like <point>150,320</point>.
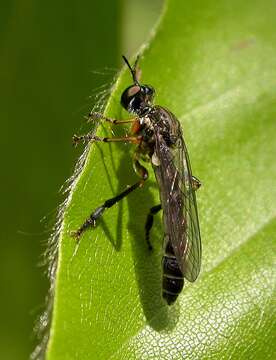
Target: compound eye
<point>129,94</point>
<point>133,90</point>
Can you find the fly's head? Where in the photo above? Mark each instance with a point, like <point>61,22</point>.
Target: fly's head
<point>137,98</point>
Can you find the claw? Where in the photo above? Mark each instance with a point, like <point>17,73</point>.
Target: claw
<point>93,115</point>
<point>76,140</point>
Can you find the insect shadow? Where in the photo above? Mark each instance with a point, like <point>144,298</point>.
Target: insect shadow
<point>147,264</point>
<point>116,243</point>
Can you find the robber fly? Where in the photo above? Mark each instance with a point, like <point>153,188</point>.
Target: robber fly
<point>158,136</point>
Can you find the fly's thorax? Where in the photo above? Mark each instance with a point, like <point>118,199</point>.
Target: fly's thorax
<point>143,128</point>
<point>167,124</point>
<point>146,122</point>
<point>147,130</point>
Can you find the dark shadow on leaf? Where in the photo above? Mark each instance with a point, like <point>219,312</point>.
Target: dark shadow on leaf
<point>147,264</point>
<point>107,173</point>
<point>108,234</point>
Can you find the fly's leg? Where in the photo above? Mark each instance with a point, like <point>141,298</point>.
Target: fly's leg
<point>93,115</point>
<point>98,212</point>
<point>196,184</point>
<point>90,137</point>
<point>149,222</point>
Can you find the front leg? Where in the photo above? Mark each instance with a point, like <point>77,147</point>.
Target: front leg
<point>93,115</point>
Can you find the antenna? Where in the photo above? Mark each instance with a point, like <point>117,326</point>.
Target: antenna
<point>132,70</point>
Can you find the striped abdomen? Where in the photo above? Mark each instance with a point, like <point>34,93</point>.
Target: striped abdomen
<point>173,280</point>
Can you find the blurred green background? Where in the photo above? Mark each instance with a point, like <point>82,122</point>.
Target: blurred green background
<point>49,52</point>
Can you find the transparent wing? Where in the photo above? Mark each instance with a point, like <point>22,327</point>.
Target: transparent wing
<point>179,204</point>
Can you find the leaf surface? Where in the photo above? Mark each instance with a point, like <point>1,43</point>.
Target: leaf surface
<point>214,65</point>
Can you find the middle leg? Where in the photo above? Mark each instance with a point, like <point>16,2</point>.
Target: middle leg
<point>90,137</point>
<point>149,222</point>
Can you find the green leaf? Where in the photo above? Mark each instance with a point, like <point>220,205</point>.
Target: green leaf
<point>214,65</point>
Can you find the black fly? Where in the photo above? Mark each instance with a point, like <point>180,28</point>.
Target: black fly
<point>158,136</point>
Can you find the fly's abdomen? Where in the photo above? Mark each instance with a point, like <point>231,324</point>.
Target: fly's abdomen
<point>173,280</point>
